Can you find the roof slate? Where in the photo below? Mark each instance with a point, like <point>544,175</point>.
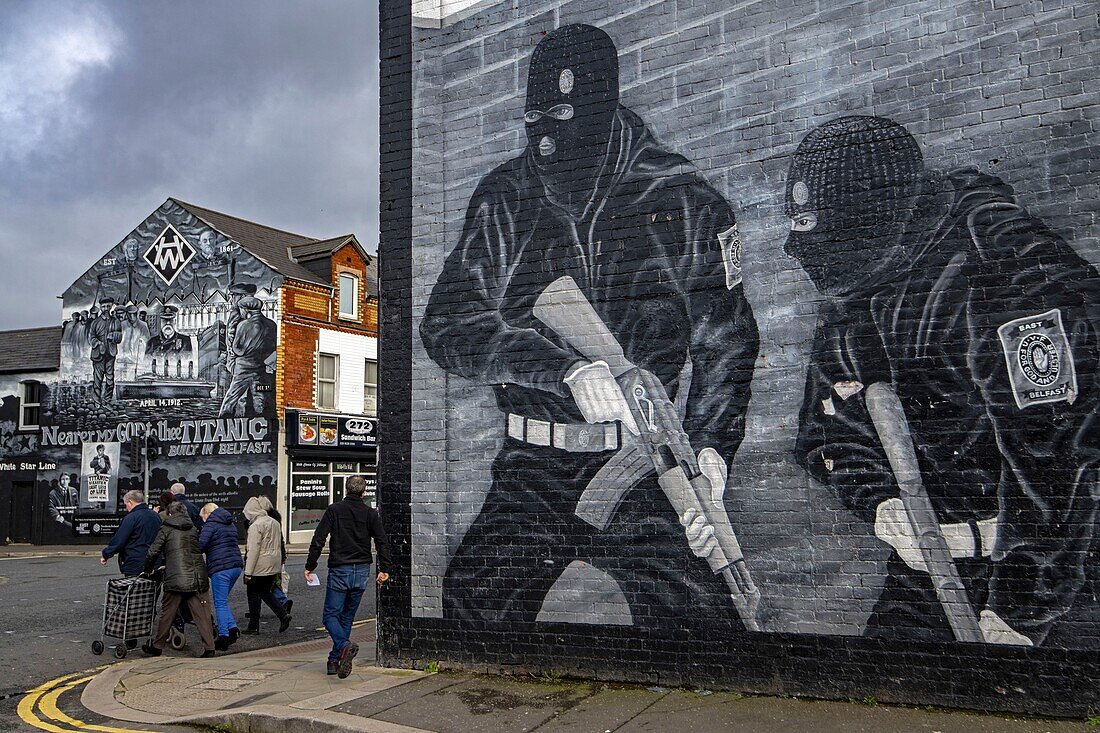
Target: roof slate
<point>270,245</point>
<point>319,248</point>
<point>30,350</point>
<point>372,277</point>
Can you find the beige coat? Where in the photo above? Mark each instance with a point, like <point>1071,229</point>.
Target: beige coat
<point>264,551</point>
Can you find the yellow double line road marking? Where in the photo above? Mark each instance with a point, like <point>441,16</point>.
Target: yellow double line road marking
<point>46,696</point>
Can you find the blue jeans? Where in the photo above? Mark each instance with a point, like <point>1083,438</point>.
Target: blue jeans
<point>343,592</point>
<point>279,595</point>
<point>221,583</point>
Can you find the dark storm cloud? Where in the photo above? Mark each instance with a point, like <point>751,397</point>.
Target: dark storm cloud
<point>266,110</point>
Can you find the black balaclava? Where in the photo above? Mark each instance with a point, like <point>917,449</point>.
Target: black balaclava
<point>852,188</point>
<point>572,95</point>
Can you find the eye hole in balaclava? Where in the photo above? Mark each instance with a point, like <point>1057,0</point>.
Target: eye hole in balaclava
<point>560,112</point>
<point>572,95</point>
<point>851,187</point>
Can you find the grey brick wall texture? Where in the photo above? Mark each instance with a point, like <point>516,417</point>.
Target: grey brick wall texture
<point>1007,86</point>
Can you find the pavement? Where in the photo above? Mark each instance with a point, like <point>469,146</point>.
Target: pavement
<point>51,605</point>
<point>279,689</point>
<point>285,689</point>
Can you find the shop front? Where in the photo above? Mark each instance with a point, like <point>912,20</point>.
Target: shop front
<point>323,450</point>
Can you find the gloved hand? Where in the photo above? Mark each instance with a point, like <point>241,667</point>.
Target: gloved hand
<point>996,631</point>
<point>713,466</point>
<point>892,527</point>
<point>599,396</point>
<point>700,533</point>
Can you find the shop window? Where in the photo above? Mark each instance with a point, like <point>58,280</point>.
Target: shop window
<point>370,388</point>
<point>314,484</point>
<point>349,296</point>
<point>30,402</point>
<point>328,367</point>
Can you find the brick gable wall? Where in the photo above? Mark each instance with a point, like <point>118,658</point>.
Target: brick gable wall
<point>307,308</point>
<point>986,114</point>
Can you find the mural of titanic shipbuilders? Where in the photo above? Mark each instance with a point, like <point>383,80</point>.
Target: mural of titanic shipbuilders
<point>169,337</point>
<point>597,288</point>
<point>161,319</point>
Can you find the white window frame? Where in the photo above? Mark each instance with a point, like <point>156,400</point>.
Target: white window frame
<point>23,404</point>
<point>354,315</point>
<point>335,381</point>
<point>366,384</point>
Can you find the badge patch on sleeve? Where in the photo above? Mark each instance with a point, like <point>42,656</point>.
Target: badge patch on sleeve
<point>1040,363</point>
<point>730,242</point>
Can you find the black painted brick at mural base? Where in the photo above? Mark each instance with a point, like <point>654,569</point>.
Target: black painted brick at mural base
<point>1041,682</point>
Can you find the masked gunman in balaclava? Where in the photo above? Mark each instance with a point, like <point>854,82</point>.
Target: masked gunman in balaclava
<point>655,250</point>
<point>984,323</point>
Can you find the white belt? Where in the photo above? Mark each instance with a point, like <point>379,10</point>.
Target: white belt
<point>575,438</point>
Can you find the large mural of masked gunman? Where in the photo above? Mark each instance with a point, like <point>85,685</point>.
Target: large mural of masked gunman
<point>952,395</point>
<point>596,289</point>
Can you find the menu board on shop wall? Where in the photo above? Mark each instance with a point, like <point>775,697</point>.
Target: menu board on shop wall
<point>331,431</point>
<point>307,430</point>
<point>327,427</point>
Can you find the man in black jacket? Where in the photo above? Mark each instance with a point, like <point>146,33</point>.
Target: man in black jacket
<point>352,525</point>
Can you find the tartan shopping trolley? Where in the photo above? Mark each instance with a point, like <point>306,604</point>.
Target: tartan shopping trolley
<point>129,612</point>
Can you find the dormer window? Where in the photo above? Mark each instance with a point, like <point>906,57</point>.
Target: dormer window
<point>349,296</point>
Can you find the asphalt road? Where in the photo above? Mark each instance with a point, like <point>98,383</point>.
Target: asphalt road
<point>51,610</point>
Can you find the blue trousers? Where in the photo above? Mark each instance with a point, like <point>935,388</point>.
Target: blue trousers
<point>343,592</point>
<point>220,584</point>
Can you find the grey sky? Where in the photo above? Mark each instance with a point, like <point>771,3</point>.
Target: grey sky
<point>265,109</point>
